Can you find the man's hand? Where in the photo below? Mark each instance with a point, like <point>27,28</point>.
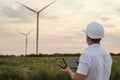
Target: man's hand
<point>69,71</point>
<point>74,76</point>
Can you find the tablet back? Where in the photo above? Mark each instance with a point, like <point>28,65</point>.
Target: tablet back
<point>71,62</point>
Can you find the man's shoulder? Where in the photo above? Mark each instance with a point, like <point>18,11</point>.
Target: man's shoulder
<point>85,56</point>
<point>94,49</point>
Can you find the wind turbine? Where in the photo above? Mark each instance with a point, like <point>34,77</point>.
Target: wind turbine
<point>37,12</point>
<point>26,40</point>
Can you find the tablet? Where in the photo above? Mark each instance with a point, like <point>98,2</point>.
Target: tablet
<point>69,62</point>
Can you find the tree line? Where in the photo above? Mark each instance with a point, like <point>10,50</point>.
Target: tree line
<point>52,55</point>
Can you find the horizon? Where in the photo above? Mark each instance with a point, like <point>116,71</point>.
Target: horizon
<point>54,54</point>
<point>61,25</point>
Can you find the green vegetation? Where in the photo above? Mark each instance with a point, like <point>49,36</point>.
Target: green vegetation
<point>115,75</point>
<point>41,68</point>
<point>31,68</point>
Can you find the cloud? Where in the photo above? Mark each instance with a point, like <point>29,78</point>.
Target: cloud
<point>10,12</point>
<point>111,42</point>
<point>118,9</point>
<point>105,18</point>
<point>45,15</point>
<point>110,25</point>
<point>111,21</point>
<point>16,14</point>
<point>112,28</point>
<point>8,32</point>
<point>68,39</point>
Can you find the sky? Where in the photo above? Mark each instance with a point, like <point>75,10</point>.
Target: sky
<point>60,25</point>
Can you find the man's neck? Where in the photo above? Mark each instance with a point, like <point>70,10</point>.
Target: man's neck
<point>92,43</point>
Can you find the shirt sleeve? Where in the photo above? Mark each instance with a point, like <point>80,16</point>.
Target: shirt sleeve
<point>84,65</point>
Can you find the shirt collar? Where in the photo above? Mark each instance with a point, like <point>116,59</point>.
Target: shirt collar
<point>95,45</point>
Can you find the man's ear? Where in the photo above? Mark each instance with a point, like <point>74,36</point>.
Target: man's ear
<point>89,40</point>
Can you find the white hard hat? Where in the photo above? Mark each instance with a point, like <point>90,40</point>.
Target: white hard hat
<point>94,30</point>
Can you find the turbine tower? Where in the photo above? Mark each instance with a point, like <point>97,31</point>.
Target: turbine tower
<point>37,12</point>
<point>26,40</point>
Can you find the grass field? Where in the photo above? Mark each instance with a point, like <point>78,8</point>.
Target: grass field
<point>44,68</point>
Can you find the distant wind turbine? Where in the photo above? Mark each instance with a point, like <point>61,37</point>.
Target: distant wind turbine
<point>26,40</point>
<point>37,29</point>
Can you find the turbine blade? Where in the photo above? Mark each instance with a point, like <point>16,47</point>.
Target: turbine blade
<point>30,32</point>
<point>27,7</point>
<point>47,6</point>
<point>22,33</point>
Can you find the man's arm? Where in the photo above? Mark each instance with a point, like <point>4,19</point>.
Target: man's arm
<point>74,76</point>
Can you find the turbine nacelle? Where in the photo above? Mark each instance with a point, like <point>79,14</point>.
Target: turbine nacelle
<point>26,33</point>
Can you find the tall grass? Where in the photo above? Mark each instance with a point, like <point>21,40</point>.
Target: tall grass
<point>45,68</point>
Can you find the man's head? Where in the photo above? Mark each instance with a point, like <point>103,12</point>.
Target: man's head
<point>94,32</point>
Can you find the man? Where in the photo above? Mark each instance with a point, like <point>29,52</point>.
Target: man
<point>95,63</point>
